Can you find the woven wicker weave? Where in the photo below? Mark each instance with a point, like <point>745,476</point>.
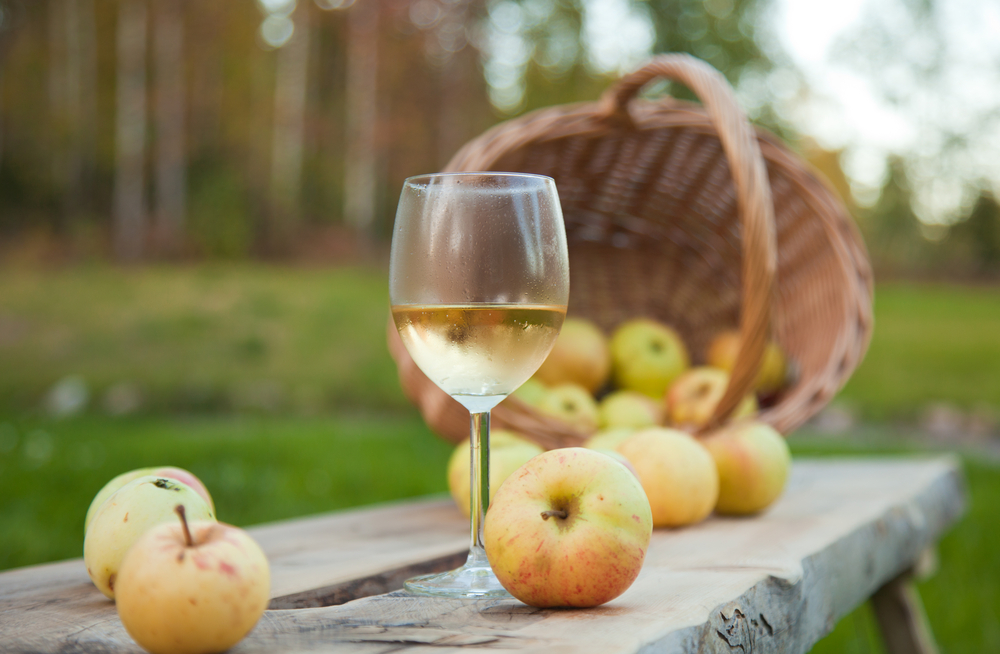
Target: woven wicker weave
<point>684,213</point>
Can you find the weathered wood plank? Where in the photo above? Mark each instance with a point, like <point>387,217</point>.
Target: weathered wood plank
<point>773,583</point>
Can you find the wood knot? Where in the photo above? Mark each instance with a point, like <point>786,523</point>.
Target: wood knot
<point>742,631</point>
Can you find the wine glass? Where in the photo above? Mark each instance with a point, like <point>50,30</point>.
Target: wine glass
<point>478,282</point>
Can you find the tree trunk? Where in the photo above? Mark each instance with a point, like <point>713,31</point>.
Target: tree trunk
<point>362,115</point>
<point>289,128</point>
<point>87,126</point>
<point>171,171</point>
<point>130,131</point>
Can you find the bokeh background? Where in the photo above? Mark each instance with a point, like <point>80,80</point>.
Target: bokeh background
<point>196,198</point>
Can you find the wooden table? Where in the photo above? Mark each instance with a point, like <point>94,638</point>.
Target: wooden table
<point>776,582</point>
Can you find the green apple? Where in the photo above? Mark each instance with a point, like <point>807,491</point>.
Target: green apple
<point>753,461</point>
<point>579,356</point>
<point>531,392</point>
<point>628,409</point>
<point>693,396</point>
<point>508,452</point>
<point>609,439</point>
<point>128,514</point>
<point>773,372</point>
<point>195,588</point>
<point>573,404</point>
<point>570,528</point>
<point>170,472</point>
<point>677,473</point>
<point>646,356</point>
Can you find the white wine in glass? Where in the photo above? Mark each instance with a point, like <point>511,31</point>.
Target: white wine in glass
<point>478,281</point>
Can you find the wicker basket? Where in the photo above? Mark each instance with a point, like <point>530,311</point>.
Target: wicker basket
<point>684,213</point>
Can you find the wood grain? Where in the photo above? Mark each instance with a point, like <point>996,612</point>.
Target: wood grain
<point>776,582</point>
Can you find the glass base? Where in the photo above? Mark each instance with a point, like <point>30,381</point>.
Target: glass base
<point>474,580</point>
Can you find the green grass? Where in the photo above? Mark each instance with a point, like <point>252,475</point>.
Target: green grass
<point>931,343</point>
<point>199,338</point>
<point>298,340</point>
<point>258,469</point>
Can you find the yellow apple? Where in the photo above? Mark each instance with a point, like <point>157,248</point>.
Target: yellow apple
<point>579,356</point>
<point>693,396</point>
<point>170,472</point>
<point>609,439</point>
<point>628,409</point>
<point>677,473</point>
<point>773,367</point>
<point>570,528</point>
<point>646,356</point>
<point>508,452</point>
<point>131,511</point>
<point>573,404</point>
<point>192,589</point>
<point>753,461</point>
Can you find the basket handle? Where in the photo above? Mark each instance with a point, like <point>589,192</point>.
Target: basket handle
<point>753,193</point>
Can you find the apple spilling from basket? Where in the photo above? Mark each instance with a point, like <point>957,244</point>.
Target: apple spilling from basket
<point>181,581</point>
<point>570,527</point>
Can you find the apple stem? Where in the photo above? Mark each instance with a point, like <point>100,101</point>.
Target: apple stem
<point>179,510</point>
<point>554,513</point>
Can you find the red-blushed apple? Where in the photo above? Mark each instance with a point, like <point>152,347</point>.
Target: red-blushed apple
<point>192,588</point>
<point>131,511</point>
<point>572,404</point>
<point>773,372</point>
<point>677,473</point>
<point>628,409</point>
<point>579,356</point>
<point>646,356</point>
<point>570,528</point>
<point>753,461</point>
<point>170,472</point>
<point>508,452</point>
<point>693,396</point>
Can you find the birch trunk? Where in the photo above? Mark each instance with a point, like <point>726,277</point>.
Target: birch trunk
<point>171,169</point>
<point>362,114</point>
<point>130,131</point>
<point>289,128</point>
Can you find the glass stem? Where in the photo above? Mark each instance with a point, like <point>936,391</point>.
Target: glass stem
<point>479,484</point>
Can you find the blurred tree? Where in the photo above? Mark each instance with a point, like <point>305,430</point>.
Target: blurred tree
<point>362,116</point>
<point>891,228</point>
<point>130,132</point>
<point>171,155</point>
<point>725,33</point>
<point>980,233</point>
<point>291,83</point>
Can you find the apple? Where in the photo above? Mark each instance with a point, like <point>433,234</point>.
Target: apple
<point>677,473</point>
<point>126,515</point>
<point>619,457</point>
<point>753,461</point>
<point>773,372</point>
<point>192,588</point>
<point>508,452</point>
<point>573,404</point>
<point>170,472</point>
<point>609,439</point>
<point>570,528</point>
<point>531,392</point>
<point>580,356</point>
<point>646,356</point>
<point>628,409</point>
<point>693,396</point>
